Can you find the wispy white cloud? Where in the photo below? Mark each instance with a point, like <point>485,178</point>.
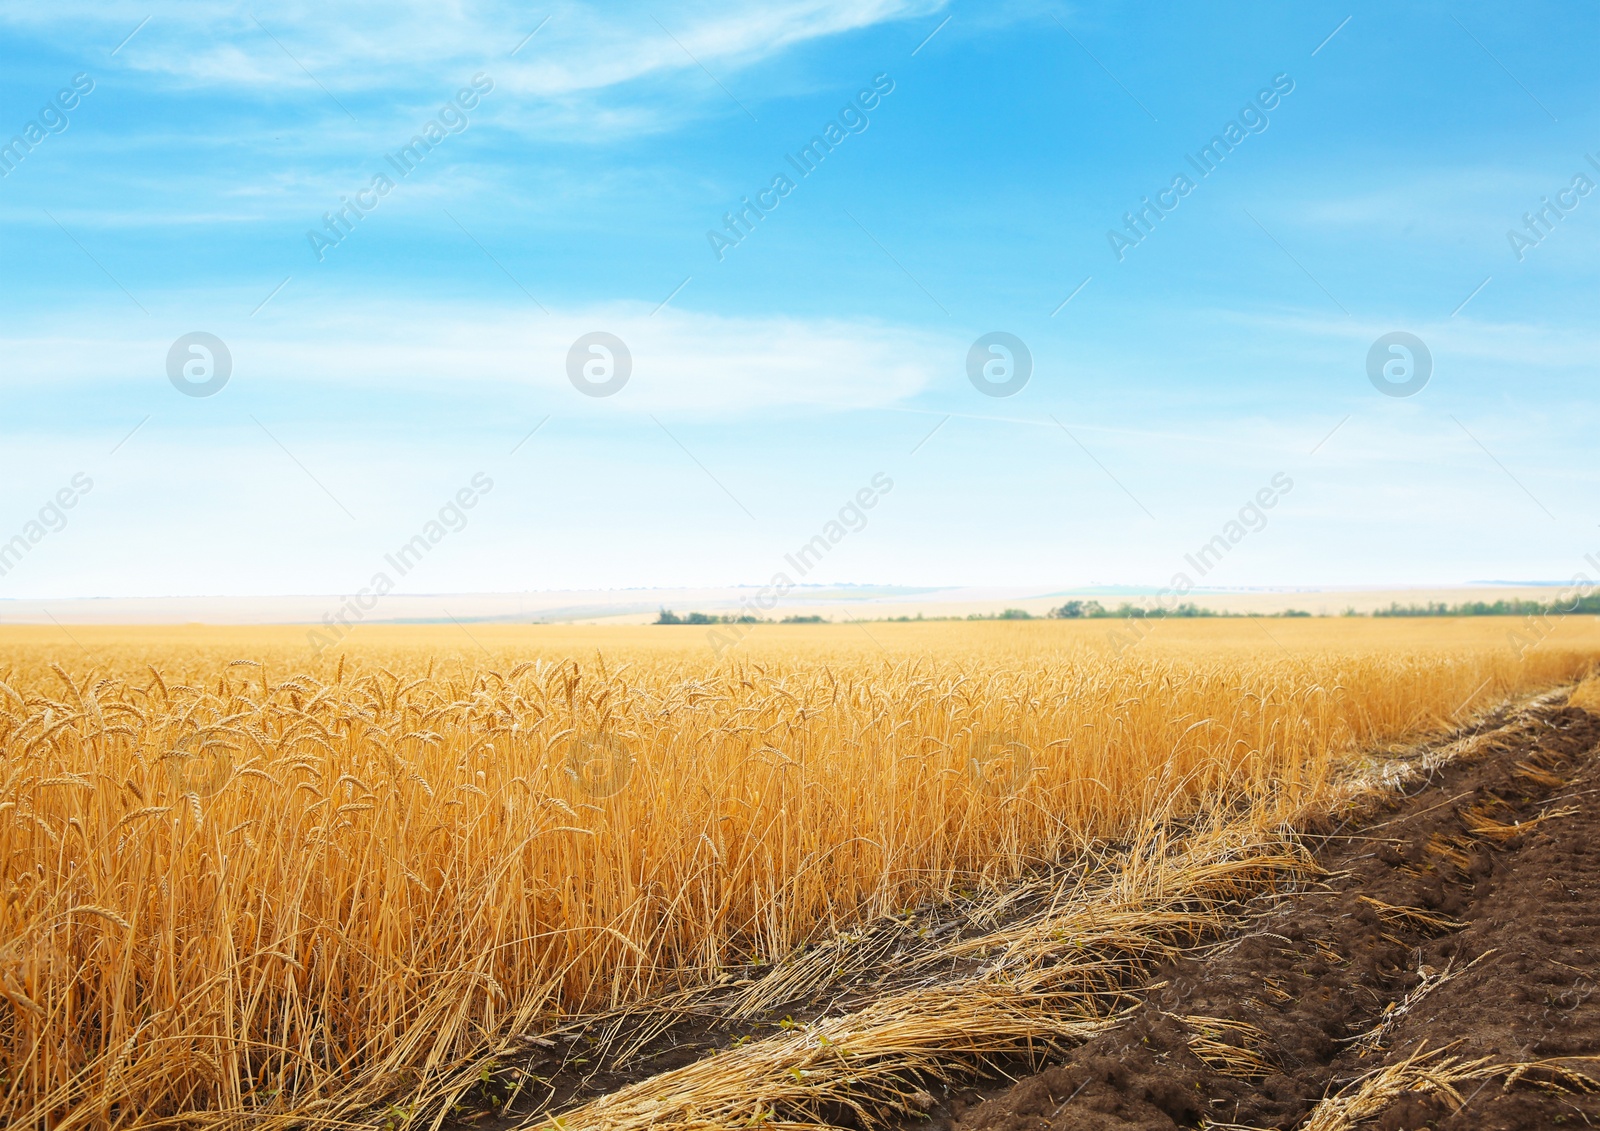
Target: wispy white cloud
<point>592,73</point>
<point>580,47</point>
<point>681,360</point>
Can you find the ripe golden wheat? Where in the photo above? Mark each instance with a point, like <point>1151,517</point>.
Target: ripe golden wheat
<point>282,887</point>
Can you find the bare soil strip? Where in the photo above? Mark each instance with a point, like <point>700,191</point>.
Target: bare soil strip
<point>1444,929</point>
<point>1462,918</point>
<point>853,1031</point>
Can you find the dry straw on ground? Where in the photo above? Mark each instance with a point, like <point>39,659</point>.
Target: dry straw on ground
<point>1442,1076</point>
<point>283,889</point>
<point>1055,976</point>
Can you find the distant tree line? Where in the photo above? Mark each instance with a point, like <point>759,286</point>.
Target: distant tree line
<point>1503,608</point>
<point>667,616</point>
<point>1094,609</point>
<point>1091,609</point>
<point>1517,607</point>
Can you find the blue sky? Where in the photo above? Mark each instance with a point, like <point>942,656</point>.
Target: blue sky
<point>824,348</point>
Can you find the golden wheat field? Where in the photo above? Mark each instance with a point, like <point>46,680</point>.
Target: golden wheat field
<point>241,884</point>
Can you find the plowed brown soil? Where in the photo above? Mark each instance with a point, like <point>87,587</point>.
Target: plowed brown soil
<point>1461,912</point>
<point>1475,895</point>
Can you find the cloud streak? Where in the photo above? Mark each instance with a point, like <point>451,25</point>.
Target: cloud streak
<point>683,361</point>
<point>582,47</point>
